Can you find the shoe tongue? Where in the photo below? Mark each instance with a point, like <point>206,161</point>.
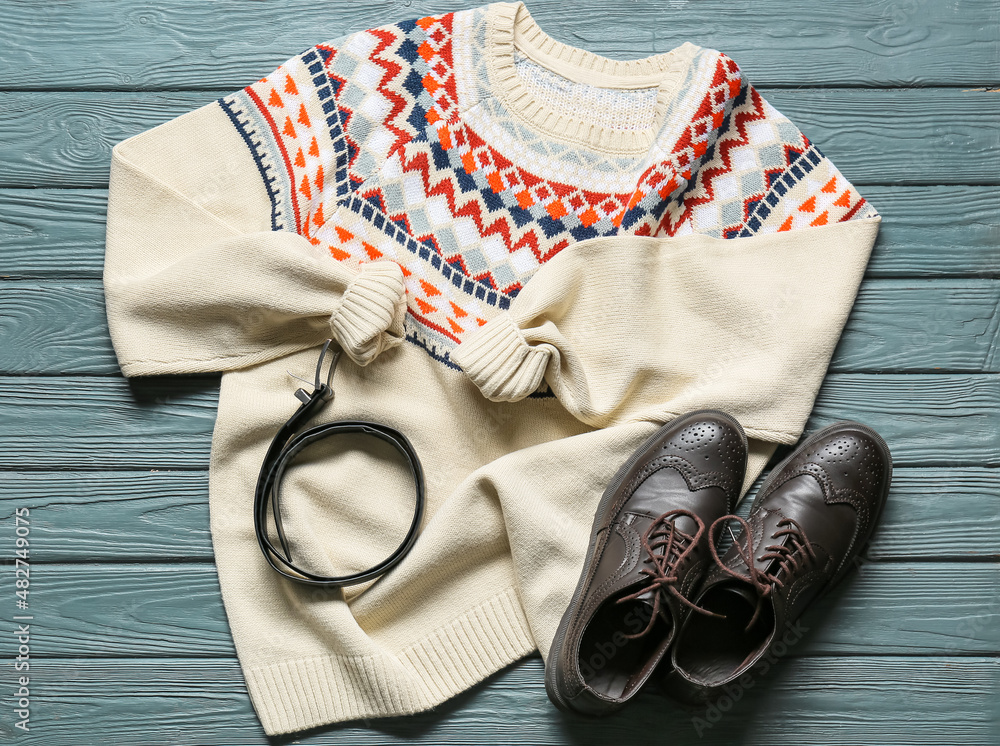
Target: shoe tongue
<point>741,591</point>
<point>647,598</point>
<point>644,606</point>
<point>686,524</point>
<point>681,523</point>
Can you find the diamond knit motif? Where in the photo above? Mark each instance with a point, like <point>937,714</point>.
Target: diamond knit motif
<point>391,143</point>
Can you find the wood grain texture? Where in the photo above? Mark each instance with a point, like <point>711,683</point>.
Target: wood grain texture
<point>52,232</point>
<point>890,137</point>
<point>65,422</point>
<point>897,136</point>
<point>932,514</point>
<point>919,414</point>
<point>806,701</point>
<point>935,231</point>
<point>895,326</point>
<point>175,44</point>
<point>52,326</point>
<point>175,610</point>
<point>914,325</point>
<point>939,513</point>
<point>166,422</point>
<point>130,638</point>
<point>48,233</point>
<point>125,515</point>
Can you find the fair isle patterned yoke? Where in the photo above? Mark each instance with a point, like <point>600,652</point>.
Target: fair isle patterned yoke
<point>390,143</point>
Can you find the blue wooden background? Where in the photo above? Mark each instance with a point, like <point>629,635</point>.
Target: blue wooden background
<point>129,639</point>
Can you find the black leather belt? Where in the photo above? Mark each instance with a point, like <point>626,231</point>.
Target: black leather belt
<point>285,447</point>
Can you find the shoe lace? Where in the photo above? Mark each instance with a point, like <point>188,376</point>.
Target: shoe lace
<point>666,547</point>
<point>790,555</point>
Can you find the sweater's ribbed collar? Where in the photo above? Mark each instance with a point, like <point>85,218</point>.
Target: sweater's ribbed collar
<point>511,25</point>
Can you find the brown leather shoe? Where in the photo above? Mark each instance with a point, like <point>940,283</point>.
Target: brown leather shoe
<point>648,549</point>
<point>811,518</point>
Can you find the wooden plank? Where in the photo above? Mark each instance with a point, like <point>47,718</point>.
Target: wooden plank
<point>921,517</point>
<point>932,513</point>
<point>919,415</point>
<point>48,233</point>
<point>896,136</point>
<point>65,422</point>
<point>65,139</point>
<point>102,516</point>
<point>52,232</point>
<point>176,610</point>
<point>901,136</point>
<point>806,701</point>
<point>914,325</point>
<point>183,45</point>
<point>896,326</point>
<point>55,327</point>
<point>914,241</point>
<point>166,422</point>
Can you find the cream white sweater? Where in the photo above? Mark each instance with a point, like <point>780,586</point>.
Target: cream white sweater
<point>532,256</point>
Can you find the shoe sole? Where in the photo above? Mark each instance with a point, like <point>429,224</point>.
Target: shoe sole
<point>555,650</point>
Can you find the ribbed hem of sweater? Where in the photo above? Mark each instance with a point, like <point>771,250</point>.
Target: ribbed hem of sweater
<point>293,695</point>
<point>370,316</point>
<point>500,362</point>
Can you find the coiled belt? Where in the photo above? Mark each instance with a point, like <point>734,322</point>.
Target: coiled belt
<point>286,445</point>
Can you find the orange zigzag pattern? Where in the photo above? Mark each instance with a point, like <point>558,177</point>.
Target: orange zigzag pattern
<point>392,70</point>
<point>740,121</point>
<point>473,208</point>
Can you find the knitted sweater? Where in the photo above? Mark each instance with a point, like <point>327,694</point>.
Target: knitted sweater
<point>531,256</point>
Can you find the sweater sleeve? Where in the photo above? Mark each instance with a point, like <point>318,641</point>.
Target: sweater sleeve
<point>737,313</point>
<point>636,328</point>
<point>202,273</point>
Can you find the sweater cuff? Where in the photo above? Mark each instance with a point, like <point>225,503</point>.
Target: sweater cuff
<point>500,362</point>
<point>370,316</point>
